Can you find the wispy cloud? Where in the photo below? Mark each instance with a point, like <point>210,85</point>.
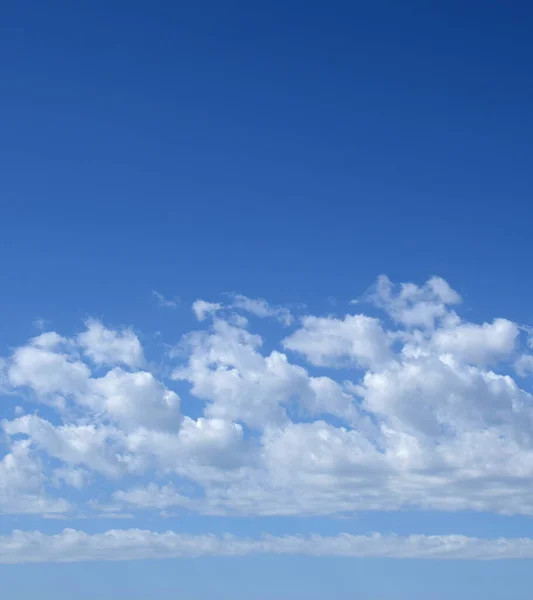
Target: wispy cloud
<point>133,544</point>
<point>164,302</point>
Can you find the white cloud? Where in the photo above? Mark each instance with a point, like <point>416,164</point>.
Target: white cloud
<point>133,544</point>
<point>261,308</point>
<point>213,442</point>
<point>202,309</point>
<point>202,450</point>
<point>240,384</point>
<point>22,483</point>
<point>153,496</point>
<point>97,448</point>
<point>109,347</point>
<point>164,302</point>
<point>50,366</point>
<point>136,399</point>
<point>524,365</point>
<point>47,371</point>
<point>434,397</point>
<point>76,478</point>
<point>255,306</point>
<point>413,305</point>
<point>429,418</point>
<point>319,453</point>
<point>49,340</point>
<point>478,344</point>
<point>356,340</point>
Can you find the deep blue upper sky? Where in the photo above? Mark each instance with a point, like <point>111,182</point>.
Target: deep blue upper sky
<point>263,146</point>
<point>290,150</point>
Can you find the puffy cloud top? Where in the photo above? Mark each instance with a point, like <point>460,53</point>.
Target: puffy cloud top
<point>414,408</point>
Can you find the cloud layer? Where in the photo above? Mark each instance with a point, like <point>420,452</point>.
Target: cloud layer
<point>132,544</point>
<point>406,405</point>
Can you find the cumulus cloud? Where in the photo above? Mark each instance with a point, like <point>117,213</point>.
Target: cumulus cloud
<point>203,449</point>
<point>414,408</point>
<point>239,383</point>
<point>202,309</point>
<point>416,306</point>
<point>136,399</point>
<point>110,347</point>
<point>97,448</point>
<point>355,340</point>
<point>478,344</point>
<point>46,371</point>
<point>132,544</point>
<point>22,481</point>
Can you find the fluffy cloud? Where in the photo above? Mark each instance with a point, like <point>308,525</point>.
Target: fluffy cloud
<point>478,344</point>
<point>203,309</point>
<point>414,306</point>
<point>355,340</point>
<point>196,450</point>
<point>240,384</point>
<point>50,366</point>
<point>48,372</point>
<point>22,483</point>
<point>108,347</point>
<point>136,399</point>
<point>97,448</point>
<point>423,412</point>
<point>132,544</point>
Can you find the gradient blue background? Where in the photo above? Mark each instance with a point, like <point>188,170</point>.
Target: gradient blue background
<point>288,150</point>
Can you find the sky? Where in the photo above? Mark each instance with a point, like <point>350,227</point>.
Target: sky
<point>265,316</point>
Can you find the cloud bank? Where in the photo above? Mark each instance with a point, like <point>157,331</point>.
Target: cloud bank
<point>133,544</point>
<point>404,406</point>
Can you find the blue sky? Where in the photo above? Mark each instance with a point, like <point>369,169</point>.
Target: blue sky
<point>348,187</point>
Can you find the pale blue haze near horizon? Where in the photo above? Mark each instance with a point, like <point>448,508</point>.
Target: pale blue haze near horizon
<point>154,154</point>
